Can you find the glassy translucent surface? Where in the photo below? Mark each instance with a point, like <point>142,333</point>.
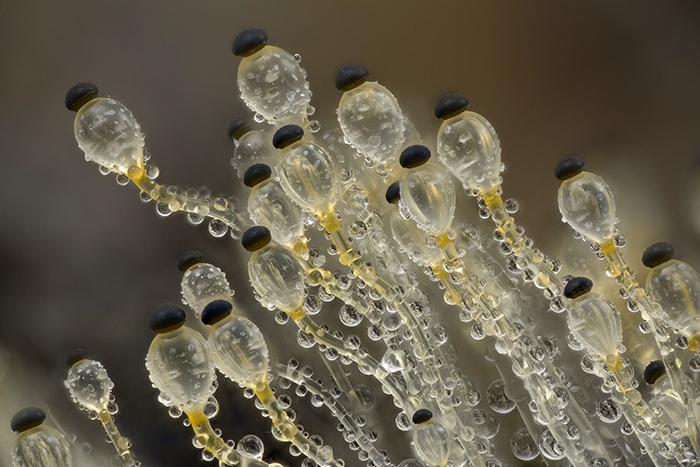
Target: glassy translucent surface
<point>270,206</point>
<point>469,146</point>
<point>497,398</point>
<point>108,134</point>
<point>596,324</point>
<point>273,84</point>
<point>349,164</point>
<point>413,240</point>
<point>255,147</point>
<point>41,446</point>
<point>89,385</point>
<point>429,195</point>
<point>667,406</point>
<point>308,176</point>
<point>675,286</point>
<point>523,446</point>
<point>240,351</point>
<point>181,367</point>
<point>432,442</point>
<point>372,121</point>
<point>202,284</point>
<point>277,277</point>
<point>586,204</point>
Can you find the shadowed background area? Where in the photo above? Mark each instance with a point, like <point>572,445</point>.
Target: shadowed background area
<point>84,261</point>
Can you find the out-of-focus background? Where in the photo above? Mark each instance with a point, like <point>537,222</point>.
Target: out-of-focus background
<point>84,262</point>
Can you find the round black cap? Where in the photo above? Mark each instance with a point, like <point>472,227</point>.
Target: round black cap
<point>75,356</point>
<point>189,259</point>
<point>255,238</point>
<point>393,193</point>
<point>216,311</point>
<point>422,416</point>
<point>79,95</point>
<point>577,287</point>
<point>414,156</point>
<point>351,77</point>
<point>166,318</point>
<point>658,253</point>
<point>569,167</point>
<point>238,127</point>
<point>249,41</point>
<point>287,135</point>
<point>450,105</point>
<point>256,173</point>
<point>27,418</point>
<point>654,371</point>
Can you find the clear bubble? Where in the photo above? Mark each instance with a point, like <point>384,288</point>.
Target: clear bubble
<point>497,398</point>
<point>251,446</point>
<point>523,446</point>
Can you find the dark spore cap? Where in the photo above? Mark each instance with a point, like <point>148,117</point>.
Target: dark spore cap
<point>80,94</point>
<point>450,105</point>
<point>249,41</point>
<point>238,127</point>
<point>577,287</point>
<point>167,318</point>
<point>414,156</point>
<point>351,77</point>
<point>287,135</point>
<point>255,238</point>
<point>569,166</point>
<point>216,311</point>
<point>189,259</point>
<point>393,193</point>
<point>27,418</point>
<point>74,356</point>
<point>256,173</point>
<point>654,371</point>
<point>657,254</point>
<point>422,416</point>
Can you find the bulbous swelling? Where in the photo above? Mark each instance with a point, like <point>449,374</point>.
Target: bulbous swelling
<point>269,205</point>
<point>273,84</point>
<point>432,442</point>
<point>429,195</point>
<point>469,146</point>
<point>413,240</point>
<point>202,284</point>
<point>109,135</point>
<point>41,446</point>
<point>372,121</point>
<point>89,384</point>
<point>675,286</point>
<point>277,277</point>
<point>240,351</point>
<point>180,365</point>
<point>308,176</point>
<point>255,147</point>
<point>595,323</point>
<point>587,205</point>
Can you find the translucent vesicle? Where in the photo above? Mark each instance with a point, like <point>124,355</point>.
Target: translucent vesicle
<point>413,240</point>
<point>109,135</point>
<point>308,176</point>
<point>586,204</point>
<point>469,146</point>
<point>274,85</point>
<point>269,205</point>
<point>675,286</point>
<point>41,446</point>
<point>595,323</point>
<point>89,385</point>
<point>255,147</point>
<point>432,442</point>
<point>372,121</point>
<point>428,194</point>
<point>202,284</point>
<point>180,365</point>
<point>277,277</point>
<point>240,351</point>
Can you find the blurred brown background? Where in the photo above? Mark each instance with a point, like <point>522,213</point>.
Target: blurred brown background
<point>83,261</point>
